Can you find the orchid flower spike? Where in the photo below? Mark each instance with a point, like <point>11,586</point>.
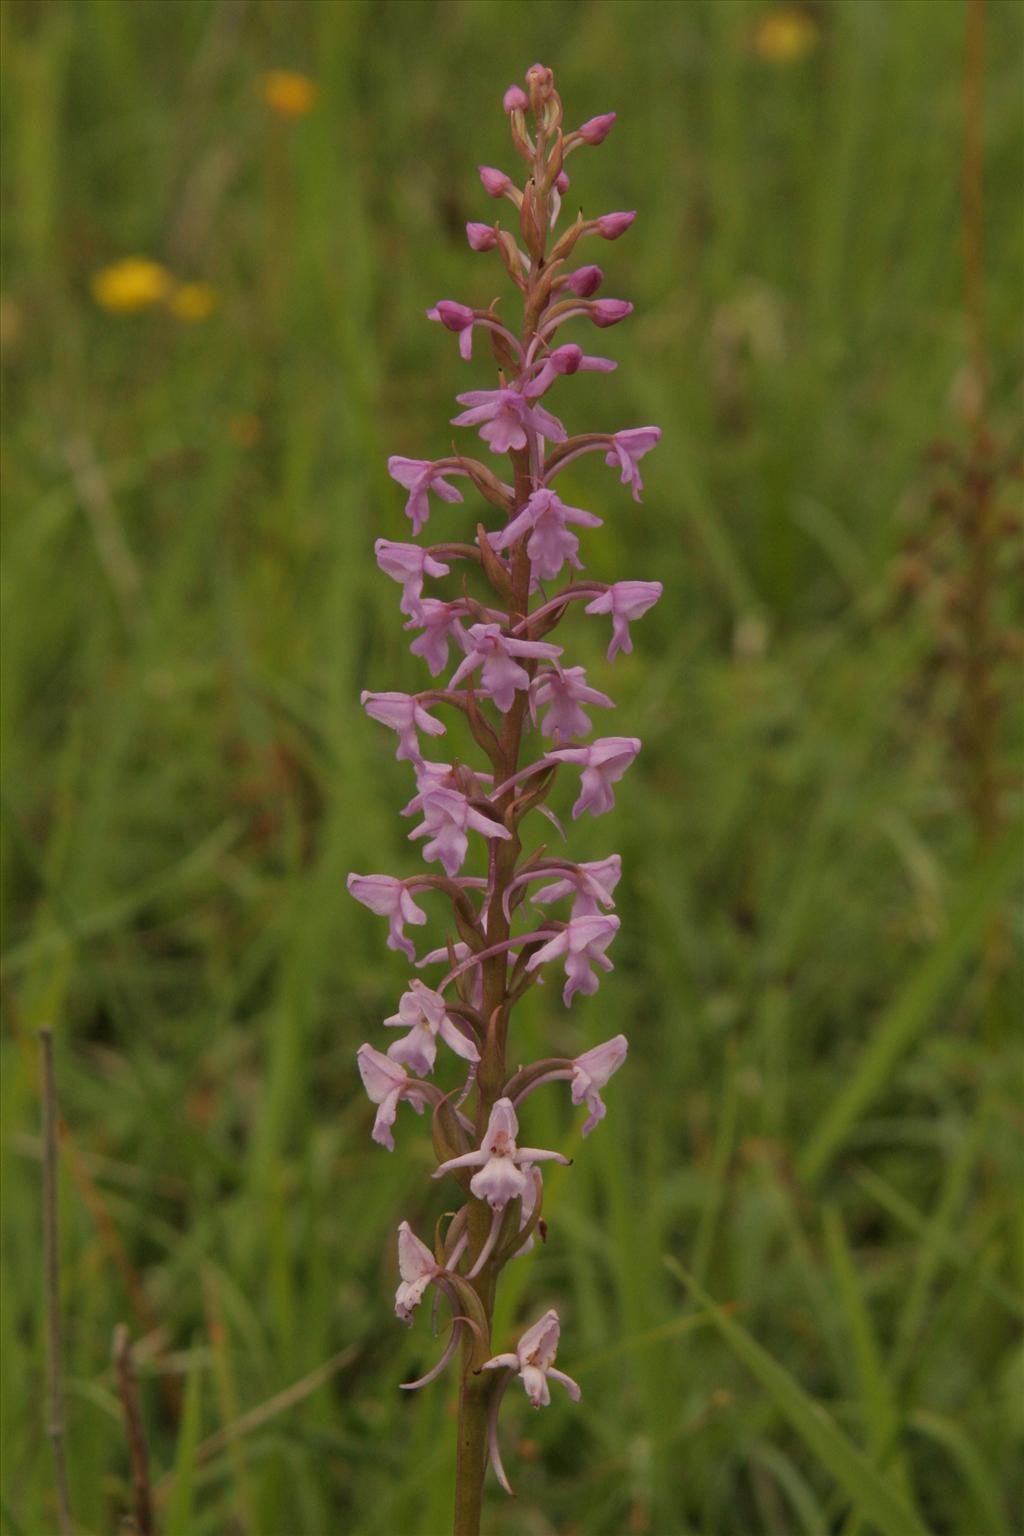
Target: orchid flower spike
<point>479,619</point>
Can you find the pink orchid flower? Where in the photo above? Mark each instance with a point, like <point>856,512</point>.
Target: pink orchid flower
<point>425,1015</point>
<point>420,476</point>
<point>546,518</point>
<point>447,817</point>
<point>582,943</point>
<point>417,1267</point>
<point>625,600</point>
<point>533,1361</point>
<point>409,564</point>
<point>591,886</point>
<point>501,1177</point>
<point>561,691</point>
<point>504,417</point>
<point>388,897</point>
<point>590,1073</point>
<point>439,625</point>
<point>487,647</point>
<point>403,713</point>
<point>386,1085</point>
<point>603,762</point>
<point>564,360</point>
<point>626,449</point>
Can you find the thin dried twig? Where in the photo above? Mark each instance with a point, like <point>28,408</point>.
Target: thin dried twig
<point>128,1390</point>
<point>55,1369</point>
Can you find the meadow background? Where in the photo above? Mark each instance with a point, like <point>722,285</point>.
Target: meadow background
<point>820,1120</point>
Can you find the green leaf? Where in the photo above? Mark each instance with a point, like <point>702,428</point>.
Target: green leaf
<point>179,1511</point>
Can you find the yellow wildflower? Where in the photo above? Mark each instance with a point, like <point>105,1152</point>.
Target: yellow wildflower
<point>131,284</point>
<point>785,35</point>
<point>193,302</point>
<point>287,93</point>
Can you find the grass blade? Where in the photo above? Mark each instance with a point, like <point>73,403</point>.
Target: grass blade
<point>817,1429</point>
<point>914,1006</point>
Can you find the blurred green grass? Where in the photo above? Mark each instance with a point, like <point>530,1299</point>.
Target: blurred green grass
<point>818,1119</point>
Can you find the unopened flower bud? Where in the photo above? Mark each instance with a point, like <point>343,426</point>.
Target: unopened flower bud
<point>585,281</point>
<point>455,317</point>
<point>481,237</point>
<point>515,99</point>
<point>566,359</point>
<point>596,129</point>
<point>562,183</point>
<point>495,182</point>
<point>610,311</point>
<point>541,83</point>
<point>611,225</point>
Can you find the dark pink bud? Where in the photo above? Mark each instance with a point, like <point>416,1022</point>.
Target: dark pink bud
<point>481,237</point>
<point>612,225</point>
<point>454,316</point>
<point>585,281</point>
<point>515,99</point>
<point>596,129</point>
<point>562,182</point>
<point>566,359</point>
<point>496,183</point>
<point>610,311</point>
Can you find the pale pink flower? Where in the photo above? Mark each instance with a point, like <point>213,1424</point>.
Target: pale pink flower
<point>409,564</point>
<point>590,1073</point>
<point>420,476</point>
<point>386,1085</point>
<point>403,713</point>
<point>603,762</point>
<point>545,517</point>
<point>447,817</point>
<point>626,449</point>
<point>582,944</point>
<point>487,647</point>
<point>424,1014</point>
<point>458,318</point>
<point>388,897</point>
<point>534,1359</point>
<point>504,417</point>
<point>561,691</point>
<point>417,1267</point>
<point>591,886</point>
<point>565,359</point>
<point>515,99</point>
<point>625,600</point>
<point>439,623</point>
<point>501,1177</point>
